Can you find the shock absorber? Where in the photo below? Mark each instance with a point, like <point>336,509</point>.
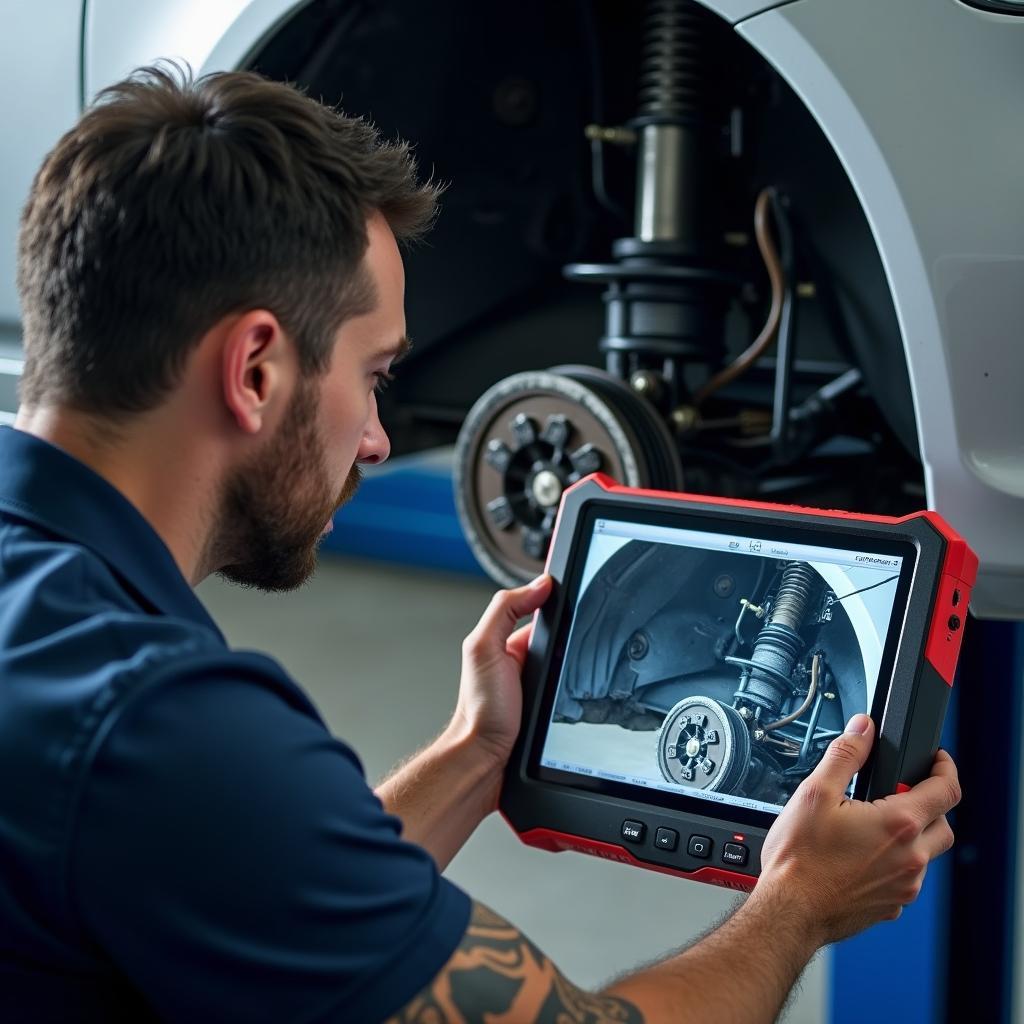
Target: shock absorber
<point>666,297</point>
<point>674,82</point>
<point>767,673</point>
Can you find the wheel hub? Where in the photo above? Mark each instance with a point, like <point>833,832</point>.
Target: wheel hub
<point>547,488</point>
<point>704,744</point>
<point>534,466</point>
<point>529,438</point>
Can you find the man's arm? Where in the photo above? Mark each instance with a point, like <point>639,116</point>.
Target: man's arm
<point>445,791</point>
<point>498,974</point>
<point>831,867</point>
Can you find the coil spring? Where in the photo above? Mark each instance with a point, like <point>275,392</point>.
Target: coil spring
<point>673,69</point>
<point>794,593</point>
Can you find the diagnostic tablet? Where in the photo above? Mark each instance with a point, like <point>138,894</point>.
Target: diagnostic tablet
<point>698,655</point>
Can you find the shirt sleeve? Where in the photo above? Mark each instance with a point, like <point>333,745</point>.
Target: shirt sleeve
<point>232,862</point>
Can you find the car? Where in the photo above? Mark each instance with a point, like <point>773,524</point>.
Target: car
<point>738,247</point>
<point>767,249</point>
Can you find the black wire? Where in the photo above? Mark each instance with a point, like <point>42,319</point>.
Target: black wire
<point>872,587</point>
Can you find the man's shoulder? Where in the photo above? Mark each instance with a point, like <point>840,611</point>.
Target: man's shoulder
<point>80,654</point>
<point>74,660</point>
<point>55,591</point>
<point>66,614</point>
<point>67,618</point>
<point>35,564</point>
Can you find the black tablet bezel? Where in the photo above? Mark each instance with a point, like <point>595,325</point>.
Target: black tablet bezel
<point>846,535</point>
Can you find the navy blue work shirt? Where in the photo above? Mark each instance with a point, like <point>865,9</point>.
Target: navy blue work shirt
<point>181,838</point>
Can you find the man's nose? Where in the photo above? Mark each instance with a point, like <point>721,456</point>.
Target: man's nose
<point>375,446</point>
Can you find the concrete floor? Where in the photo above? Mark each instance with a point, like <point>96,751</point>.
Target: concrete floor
<point>377,648</point>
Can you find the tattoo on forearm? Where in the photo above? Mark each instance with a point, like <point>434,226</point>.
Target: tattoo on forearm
<point>497,975</point>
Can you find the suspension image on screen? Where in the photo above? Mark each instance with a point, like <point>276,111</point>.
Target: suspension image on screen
<point>723,674</point>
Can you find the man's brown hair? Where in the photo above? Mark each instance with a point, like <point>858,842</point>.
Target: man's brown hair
<point>174,202</point>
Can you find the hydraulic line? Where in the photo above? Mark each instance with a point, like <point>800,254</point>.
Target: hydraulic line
<point>596,135</point>
<point>811,691</point>
<point>772,263</point>
<point>812,728</point>
<point>785,348</point>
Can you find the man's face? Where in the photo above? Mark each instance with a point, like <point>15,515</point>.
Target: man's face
<point>278,508</point>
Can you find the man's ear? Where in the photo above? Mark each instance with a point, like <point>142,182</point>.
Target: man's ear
<point>256,360</point>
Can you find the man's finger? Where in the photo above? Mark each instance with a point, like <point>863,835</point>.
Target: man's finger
<point>845,756</point>
<point>518,642</point>
<point>507,607</point>
<point>931,799</point>
<point>937,838</point>
<point>944,767</point>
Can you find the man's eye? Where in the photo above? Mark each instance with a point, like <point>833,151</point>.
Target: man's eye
<point>383,379</point>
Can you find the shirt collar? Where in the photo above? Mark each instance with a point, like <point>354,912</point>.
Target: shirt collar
<point>44,485</point>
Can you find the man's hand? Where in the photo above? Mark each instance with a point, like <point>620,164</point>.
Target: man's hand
<point>447,789</point>
<point>490,704</point>
<point>848,864</point>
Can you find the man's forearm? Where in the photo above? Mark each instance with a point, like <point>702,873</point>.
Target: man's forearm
<point>443,793</point>
<point>741,973</point>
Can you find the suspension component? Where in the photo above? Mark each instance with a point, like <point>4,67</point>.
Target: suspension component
<point>674,83</point>
<point>665,302</point>
<point>767,677</point>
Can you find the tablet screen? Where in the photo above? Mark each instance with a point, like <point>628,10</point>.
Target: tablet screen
<point>715,666</point>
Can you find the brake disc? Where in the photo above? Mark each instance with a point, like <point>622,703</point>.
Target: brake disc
<point>531,436</point>
<point>704,744</point>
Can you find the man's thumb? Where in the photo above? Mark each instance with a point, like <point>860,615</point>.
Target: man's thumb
<point>507,607</point>
<point>846,754</point>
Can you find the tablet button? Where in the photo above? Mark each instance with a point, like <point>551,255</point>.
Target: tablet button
<point>666,839</point>
<point>735,853</point>
<point>633,831</point>
<point>700,846</point>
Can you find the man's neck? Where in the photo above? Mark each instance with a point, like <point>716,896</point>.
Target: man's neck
<point>151,462</point>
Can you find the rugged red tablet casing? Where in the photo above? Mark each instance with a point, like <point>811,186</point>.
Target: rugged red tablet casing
<point>702,839</point>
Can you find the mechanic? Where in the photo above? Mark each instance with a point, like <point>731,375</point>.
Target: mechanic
<point>212,292</point>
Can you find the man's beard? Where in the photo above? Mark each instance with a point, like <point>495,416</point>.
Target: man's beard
<point>276,507</point>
